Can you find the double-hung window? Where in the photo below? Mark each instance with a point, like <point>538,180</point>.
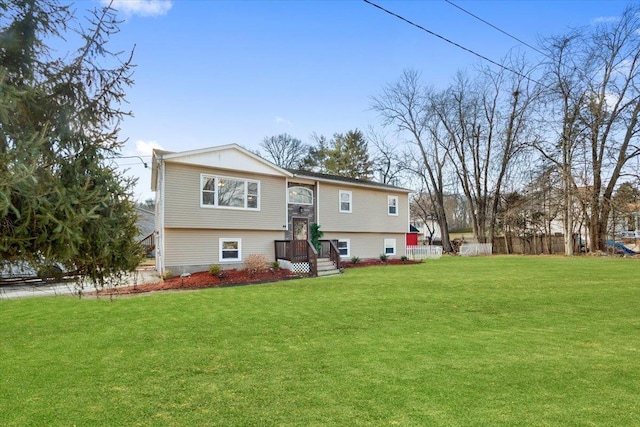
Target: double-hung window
<point>389,246</point>
<point>227,192</point>
<point>392,205</point>
<point>344,247</point>
<point>230,249</point>
<point>346,200</point>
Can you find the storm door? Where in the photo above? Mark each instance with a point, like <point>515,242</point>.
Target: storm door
<point>300,236</point>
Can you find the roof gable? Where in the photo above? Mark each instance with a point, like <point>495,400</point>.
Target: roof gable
<point>230,157</point>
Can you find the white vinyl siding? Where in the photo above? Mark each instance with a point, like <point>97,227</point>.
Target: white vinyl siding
<point>369,212</point>
<point>196,249</point>
<point>368,245</point>
<point>345,201</point>
<point>392,205</point>
<point>183,199</point>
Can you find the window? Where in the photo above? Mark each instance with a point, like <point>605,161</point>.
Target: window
<point>230,250</point>
<point>300,196</point>
<point>252,195</point>
<point>392,205</point>
<point>343,247</point>
<point>345,201</point>
<point>389,246</point>
<point>226,192</point>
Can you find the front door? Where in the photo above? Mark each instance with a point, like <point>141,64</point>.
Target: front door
<point>300,236</point>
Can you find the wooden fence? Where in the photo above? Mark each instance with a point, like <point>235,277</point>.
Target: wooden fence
<point>531,245</point>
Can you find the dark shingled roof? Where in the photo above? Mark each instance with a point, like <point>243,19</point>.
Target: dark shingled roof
<point>146,222</point>
<point>327,177</point>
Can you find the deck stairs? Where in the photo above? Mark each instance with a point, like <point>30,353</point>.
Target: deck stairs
<point>326,267</point>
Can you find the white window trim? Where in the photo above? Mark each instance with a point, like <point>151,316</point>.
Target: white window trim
<point>229,239</point>
<point>389,243</point>
<point>246,192</point>
<point>298,203</point>
<point>389,199</point>
<point>340,193</point>
<point>348,242</point>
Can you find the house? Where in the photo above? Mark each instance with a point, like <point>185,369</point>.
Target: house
<point>219,205</point>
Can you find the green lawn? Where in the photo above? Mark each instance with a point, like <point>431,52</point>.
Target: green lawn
<point>498,341</point>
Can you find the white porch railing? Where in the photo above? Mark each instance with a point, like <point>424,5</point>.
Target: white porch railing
<point>423,252</point>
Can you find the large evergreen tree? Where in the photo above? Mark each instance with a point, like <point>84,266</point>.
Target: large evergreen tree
<point>60,199</point>
<point>345,155</point>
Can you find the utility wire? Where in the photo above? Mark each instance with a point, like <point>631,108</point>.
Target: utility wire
<point>496,28</point>
<point>420,27</point>
<point>129,157</point>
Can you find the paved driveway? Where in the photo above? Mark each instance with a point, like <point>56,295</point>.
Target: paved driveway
<point>39,289</point>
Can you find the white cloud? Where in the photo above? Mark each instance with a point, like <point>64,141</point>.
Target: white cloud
<point>283,121</point>
<point>145,148</point>
<point>606,20</point>
<point>141,7</point>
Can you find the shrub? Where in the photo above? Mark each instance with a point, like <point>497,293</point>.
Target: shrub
<point>316,235</point>
<point>275,265</point>
<point>256,263</point>
<point>167,274</point>
<point>214,269</point>
<point>384,257</point>
<point>404,258</point>
<point>355,259</point>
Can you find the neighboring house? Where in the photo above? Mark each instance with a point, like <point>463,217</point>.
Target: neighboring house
<point>219,205</point>
<point>430,231</point>
<point>145,223</point>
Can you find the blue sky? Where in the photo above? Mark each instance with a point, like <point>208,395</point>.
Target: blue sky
<point>219,72</point>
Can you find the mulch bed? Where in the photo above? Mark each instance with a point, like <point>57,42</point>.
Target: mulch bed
<point>374,261</point>
<point>203,279</point>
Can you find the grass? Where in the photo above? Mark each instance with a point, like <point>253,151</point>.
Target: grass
<point>499,341</point>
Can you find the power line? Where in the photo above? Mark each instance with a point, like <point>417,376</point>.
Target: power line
<point>420,27</point>
<point>496,28</point>
<point>129,164</point>
<point>130,157</point>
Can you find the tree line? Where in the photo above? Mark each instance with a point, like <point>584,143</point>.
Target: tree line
<point>345,154</point>
<point>496,134</point>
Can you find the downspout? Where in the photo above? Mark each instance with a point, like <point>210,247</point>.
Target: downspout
<point>408,223</point>
<point>318,202</point>
<point>286,207</point>
<point>160,261</point>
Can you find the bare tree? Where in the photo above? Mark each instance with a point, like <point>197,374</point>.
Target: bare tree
<point>406,105</point>
<point>594,85</point>
<point>389,158</point>
<point>560,111</point>
<point>285,151</point>
<point>486,119</point>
